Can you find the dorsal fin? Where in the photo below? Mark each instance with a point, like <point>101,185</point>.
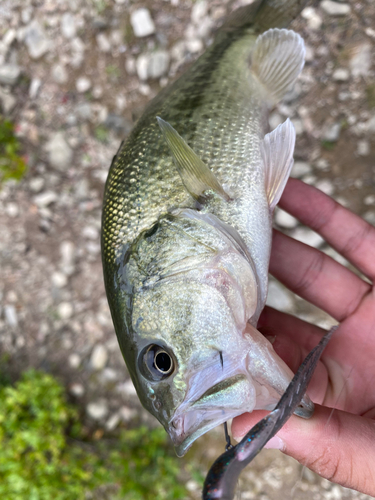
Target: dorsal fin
<point>277,150</point>
<point>195,175</point>
<point>277,60</point>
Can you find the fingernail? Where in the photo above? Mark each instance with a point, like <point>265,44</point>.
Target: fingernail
<point>276,443</point>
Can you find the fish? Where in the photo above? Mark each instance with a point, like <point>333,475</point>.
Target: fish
<point>187,224</point>
<point>221,480</point>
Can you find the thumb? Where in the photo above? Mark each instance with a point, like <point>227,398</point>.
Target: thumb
<point>335,444</point>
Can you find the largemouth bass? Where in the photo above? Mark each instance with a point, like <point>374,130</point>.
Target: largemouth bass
<point>187,223</point>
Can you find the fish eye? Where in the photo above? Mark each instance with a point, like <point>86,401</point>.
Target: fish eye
<point>158,362</point>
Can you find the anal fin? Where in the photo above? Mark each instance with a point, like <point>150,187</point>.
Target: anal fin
<point>277,150</point>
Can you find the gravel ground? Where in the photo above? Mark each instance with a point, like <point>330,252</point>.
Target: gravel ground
<point>74,75</point>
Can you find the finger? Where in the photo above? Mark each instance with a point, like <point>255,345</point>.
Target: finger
<point>350,235</point>
<point>316,277</point>
<point>337,445</point>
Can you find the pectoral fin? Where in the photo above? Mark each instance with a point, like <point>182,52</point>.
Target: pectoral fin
<point>195,175</point>
<point>277,60</point>
<point>277,150</point>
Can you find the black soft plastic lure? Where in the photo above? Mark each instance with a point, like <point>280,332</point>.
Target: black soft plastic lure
<point>222,478</point>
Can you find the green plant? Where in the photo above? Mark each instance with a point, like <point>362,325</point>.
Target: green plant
<point>12,165</point>
<point>43,456</point>
<point>101,133</point>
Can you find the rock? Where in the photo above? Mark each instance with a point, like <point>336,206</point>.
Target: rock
<point>158,64</point>
<point>127,414</point>
<point>341,75</point>
<point>279,297</point>
<point>91,233</point>
<point>99,357</point>
<point>34,87</point>
<point>331,132</point>
<point>59,280</point>
<point>36,184</point>
<point>83,84</point>
<point>199,11</point>
<point>112,422</point>
<point>326,186</point>
<point>84,111</point>
<point>298,126</point>
<point>68,25</point>
<point>59,74</point>
<point>308,237</point>
<point>119,124</point>
<point>142,22</point>
<point>275,120</point>
<point>67,252</point>
<point>127,388</point>
<point>78,49</point>
<point>335,8</point>
<point>12,210</point>
<point>74,360</point>
<point>8,101</point>
<point>283,219</point>
<point>322,164</point>
<point>9,74</point>
<point>370,217</point>
<point>104,45</point>
<point>60,154</point>
<point>142,66</point>
<point>314,21</point>
<point>45,199</point>
<point>77,390</point>
<point>300,168</point>
<point>363,148</point>
<point>369,200</point>
<point>36,40</point>
<point>360,62</point>
<point>65,310</point>
<point>97,410</point>
<point>10,315</point>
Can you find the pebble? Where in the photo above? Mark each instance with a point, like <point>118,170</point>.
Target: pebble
<point>341,75</point>
<point>97,410</point>
<point>363,148</point>
<point>158,64</point>
<point>331,132</point>
<point>74,360</point>
<point>68,25</point>
<point>104,45</point>
<point>10,315</point>
<point>370,217</point>
<point>360,62</point>
<point>99,357</point>
<point>12,210</point>
<point>36,40</point>
<point>34,87</point>
<point>59,280</point>
<point>127,388</point>
<point>60,154</point>
<point>83,84</point>
<point>279,297</point>
<point>300,168</point>
<point>36,184</point>
<point>199,11</point>
<point>314,21</point>
<point>77,390</point>
<point>59,73</point>
<point>142,23</point>
<point>127,414</point>
<point>335,8</point>
<point>45,199</point>
<point>90,232</point>
<point>326,186</point>
<point>65,310</point>
<point>67,252</point>
<point>9,74</point>
<point>112,422</point>
<point>283,219</point>
<point>308,237</point>
<point>369,200</point>
<point>8,101</point>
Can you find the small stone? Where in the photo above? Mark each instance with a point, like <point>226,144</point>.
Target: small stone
<point>275,120</point>
<point>67,252</point>
<point>36,40</point>
<point>99,357</point>
<point>36,184</point>
<point>363,148</point>
<point>104,45</point>
<point>83,84</point>
<point>199,11</point>
<point>192,486</point>
<point>9,74</point>
<point>74,360</point>
<point>10,315</point>
<point>127,414</point>
<point>370,217</point>
<point>60,154</point>
<point>59,280</point>
<point>65,310</point>
<point>34,87</point>
<point>127,388</point>
<point>300,168</point>
<point>112,422</point>
<point>308,237</point>
<point>68,25</point>
<point>341,75</point>
<point>360,62</point>
<point>326,186</point>
<point>309,54</point>
<point>158,64</point>
<point>45,199</point>
<point>283,219</point>
<point>12,209</point>
<point>84,110</point>
<point>194,45</point>
<point>331,132</point>
<point>314,21</point>
<point>97,410</point>
<point>279,297</point>
<point>91,233</point>
<point>322,164</point>
<point>142,66</point>
<point>298,126</point>
<point>369,200</point>
<point>77,390</point>
<point>59,74</point>
<point>8,101</point>
<point>142,22</point>
<point>335,8</point>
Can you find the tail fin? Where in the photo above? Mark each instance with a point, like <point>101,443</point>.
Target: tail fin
<point>262,15</point>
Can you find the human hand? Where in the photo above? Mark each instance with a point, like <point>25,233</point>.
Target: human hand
<point>339,445</point>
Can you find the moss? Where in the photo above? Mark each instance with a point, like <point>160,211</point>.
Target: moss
<point>12,165</point>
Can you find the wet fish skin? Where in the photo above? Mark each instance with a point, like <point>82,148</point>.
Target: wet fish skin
<point>194,282</point>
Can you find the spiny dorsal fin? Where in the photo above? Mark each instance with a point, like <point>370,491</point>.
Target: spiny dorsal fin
<point>277,150</point>
<point>195,175</point>
<point>277,60</point>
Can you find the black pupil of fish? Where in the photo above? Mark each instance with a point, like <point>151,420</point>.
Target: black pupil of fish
<point>163,362</point>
